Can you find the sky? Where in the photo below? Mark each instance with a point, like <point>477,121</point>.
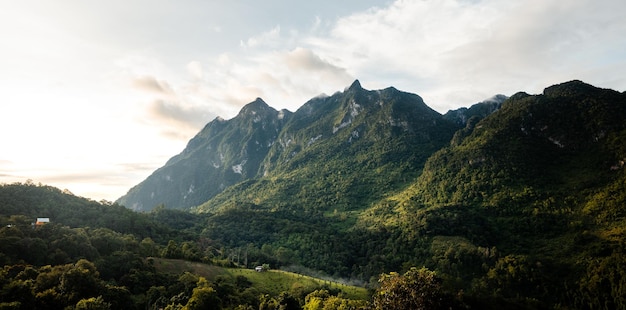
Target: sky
<point>96,95</point>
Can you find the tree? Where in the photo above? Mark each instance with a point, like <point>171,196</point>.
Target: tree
<point>287,302</point>
<point>315,300</point>
<point>93,303</point>
<point>267,302</point>
<point>147,247</point>
<point>416,289</point>
<point>172,250</point>
<point>81,281</point>
<point>203,297</point>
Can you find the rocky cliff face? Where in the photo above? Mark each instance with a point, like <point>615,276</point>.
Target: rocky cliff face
<point>223,153</point>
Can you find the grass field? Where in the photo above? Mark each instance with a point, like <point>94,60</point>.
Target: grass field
<point>269,282</point>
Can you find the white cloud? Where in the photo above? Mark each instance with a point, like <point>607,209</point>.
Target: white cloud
<point>451,52</point>
<point>195,69</point>
<point>269,38</point>
<point>455,52</point>
<point>152,85</point>
<point>289,78</point>
<point>284,78</point>
<point>185,118</point>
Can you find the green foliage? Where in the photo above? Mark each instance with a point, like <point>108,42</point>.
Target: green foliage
<point>203,297</point>
<point>322,299</point>
<point>415,289</point>
<point>604,284</point>
<point>22,203</point>
<point>92,303</point>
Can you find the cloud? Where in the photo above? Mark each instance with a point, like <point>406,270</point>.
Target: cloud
<point>178,119</point>
<point>195,69</point>
<point>304,59</point>
<point>269,38</point>
<point>178,108</point>
<point>78,177</point>
<point>8,171</point>
<point>455,52</point>
<point>152,85</point>
<point>140,167</point>
<point>451,52</point>
<point>285,78</point>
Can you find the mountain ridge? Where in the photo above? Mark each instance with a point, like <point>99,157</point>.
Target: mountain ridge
<point>288,133</point>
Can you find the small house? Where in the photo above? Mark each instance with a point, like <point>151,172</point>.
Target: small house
<point>258,268</point>
<point>42,221</point>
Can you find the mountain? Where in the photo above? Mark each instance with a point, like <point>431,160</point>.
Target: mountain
<point>517,202</point>
<point>222,154</point>
<point>533,192</point>
<point>356,142</point>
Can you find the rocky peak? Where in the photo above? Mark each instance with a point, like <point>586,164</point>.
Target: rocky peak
<point>254,107</point>
<point>355,86</point>
<point>257,110</point>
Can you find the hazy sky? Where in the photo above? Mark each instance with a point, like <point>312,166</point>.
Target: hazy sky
<point>95,95</point>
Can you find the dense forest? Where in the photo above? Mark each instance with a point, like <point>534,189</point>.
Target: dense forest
<point>98,255</point>
<point>515,204</point>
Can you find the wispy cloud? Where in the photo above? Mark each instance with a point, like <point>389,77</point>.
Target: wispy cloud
<point>152,85</point>
<point>285,78</point>
<point>451,52</point>
<point>454,52</point>
<point>176,114</point>
<point>269,38</point>
<point>302,59</point>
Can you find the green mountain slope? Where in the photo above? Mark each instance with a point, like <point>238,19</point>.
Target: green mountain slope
<point>348,141</point>
<point>534,193</point>
<point>344,152</point>
<point>223,153</point>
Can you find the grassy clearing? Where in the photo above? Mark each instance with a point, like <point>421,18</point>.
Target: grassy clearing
<point>269,282</point>
<point>276,281</point>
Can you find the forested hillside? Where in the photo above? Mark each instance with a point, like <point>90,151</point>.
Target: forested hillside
<point>92,255</point>
<point>527,203</point>
<point>514,203</point>
<point>523,205</point>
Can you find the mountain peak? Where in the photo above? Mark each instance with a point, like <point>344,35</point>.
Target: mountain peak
<point>257,103</point>
<point>255,106</point>
<point>356,85</point>
<point>569,89</point>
